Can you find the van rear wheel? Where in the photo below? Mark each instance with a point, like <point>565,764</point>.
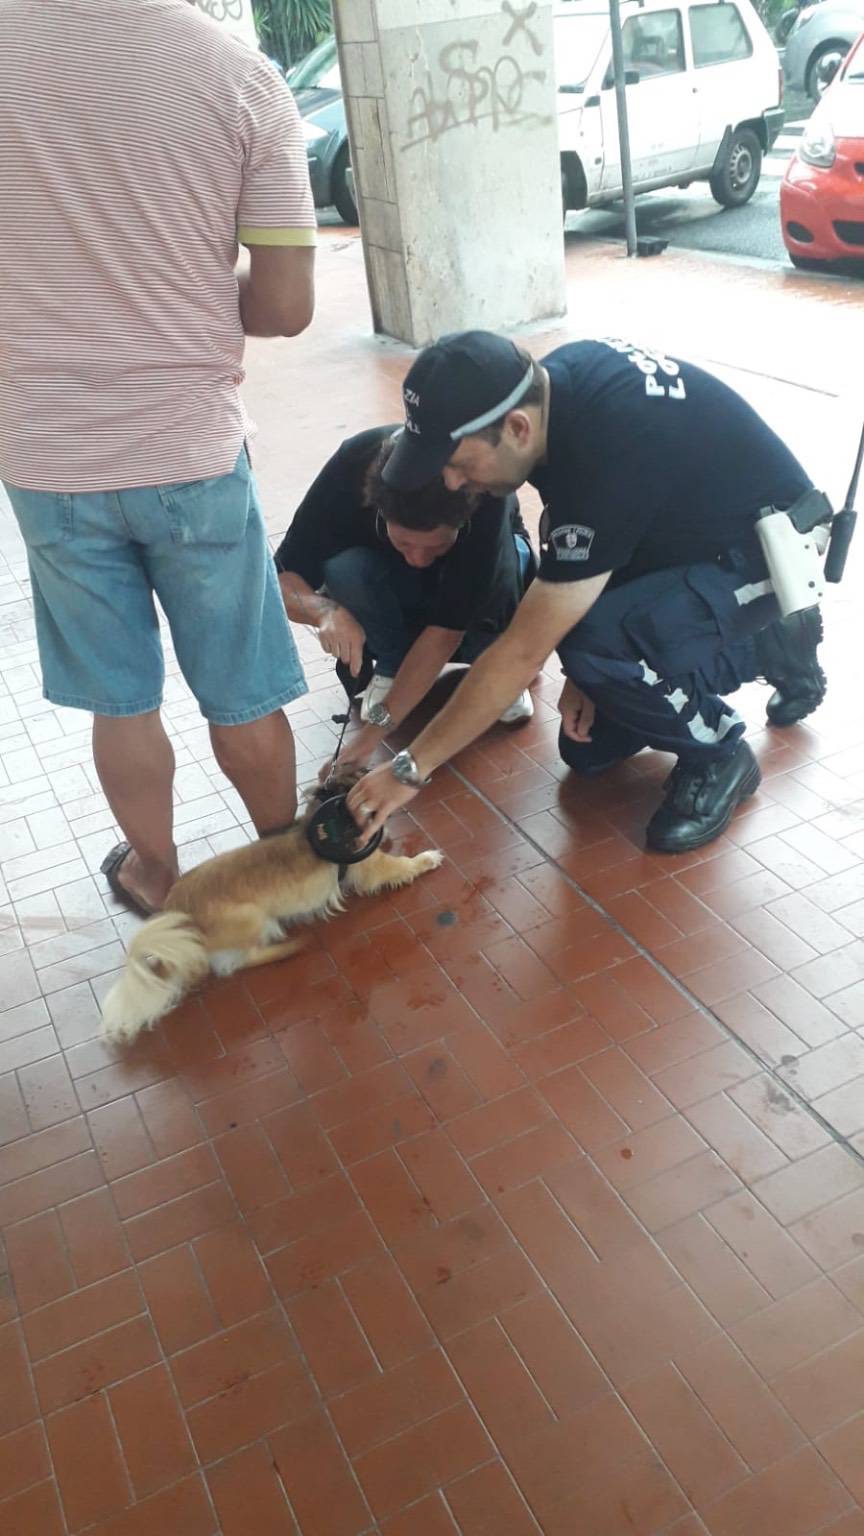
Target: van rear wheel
<point>735,177</point>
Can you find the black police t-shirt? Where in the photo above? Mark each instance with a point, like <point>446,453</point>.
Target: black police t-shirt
<point>478,582</point>
<point>651,463</point>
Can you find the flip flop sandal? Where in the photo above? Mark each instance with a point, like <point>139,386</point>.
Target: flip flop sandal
<point>110,868</point>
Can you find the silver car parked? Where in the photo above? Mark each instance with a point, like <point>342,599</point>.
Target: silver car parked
<point>819,42</point>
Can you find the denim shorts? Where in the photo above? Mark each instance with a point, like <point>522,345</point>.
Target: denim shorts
<point>98,558</point>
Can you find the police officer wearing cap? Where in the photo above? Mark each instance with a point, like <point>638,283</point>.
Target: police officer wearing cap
<point>652,586</point>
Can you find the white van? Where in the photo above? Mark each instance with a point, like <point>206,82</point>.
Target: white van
<point>704,93</point>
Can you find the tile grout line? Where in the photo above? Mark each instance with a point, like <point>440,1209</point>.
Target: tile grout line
<point>280,1306</point>
<point>31,1371</point>
<point>324,1408</point>
<point>811,1440</point>
<point>41,1421</point>
<point>696,1005</point>
<point>109,1409</point>
<point>165,1356</point>
<point>502,1462</point>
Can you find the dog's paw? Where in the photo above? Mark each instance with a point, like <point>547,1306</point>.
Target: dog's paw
<point>433,858</point>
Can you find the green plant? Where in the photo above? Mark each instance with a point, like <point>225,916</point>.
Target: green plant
<point>770,11</point>
<point>287,29</point>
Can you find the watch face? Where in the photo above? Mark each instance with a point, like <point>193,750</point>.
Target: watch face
<point>379,714</point>
<point>403,767</point>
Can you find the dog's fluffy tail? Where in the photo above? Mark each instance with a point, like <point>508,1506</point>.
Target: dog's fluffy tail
<point>166,958</point>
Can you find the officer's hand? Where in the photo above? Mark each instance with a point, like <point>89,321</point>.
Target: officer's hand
<point>342,638</point>
<point>577,713</point>
<point>377,796</point>
<point>357,751</point>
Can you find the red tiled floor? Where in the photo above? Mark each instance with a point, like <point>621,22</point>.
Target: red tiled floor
<point>249,1495</point>
<point>79,1316</point>
<point>153,1435</point>
<point>88,1464</point>
<point>535,1221</point>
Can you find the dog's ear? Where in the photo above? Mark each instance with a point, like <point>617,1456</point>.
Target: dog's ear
<point>338,784</point>
<point>314,795</point>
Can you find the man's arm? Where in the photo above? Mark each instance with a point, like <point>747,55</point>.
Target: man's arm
<point>302,603</point>
<point>339,633</point>
<point>545,615</point>
<point>277,294</point>
<point>430,652</point>
<point>275,212</point>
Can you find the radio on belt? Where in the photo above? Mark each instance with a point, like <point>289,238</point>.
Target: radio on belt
<point>806,545</point>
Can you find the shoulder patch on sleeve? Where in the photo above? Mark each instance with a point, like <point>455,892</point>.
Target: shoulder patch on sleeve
<point>572,541</point>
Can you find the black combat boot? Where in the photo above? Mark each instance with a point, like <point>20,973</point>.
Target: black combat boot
<point>700,799</point>
<point>787,656</point>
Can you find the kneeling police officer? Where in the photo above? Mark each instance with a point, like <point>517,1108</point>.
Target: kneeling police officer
<point>653,586</point>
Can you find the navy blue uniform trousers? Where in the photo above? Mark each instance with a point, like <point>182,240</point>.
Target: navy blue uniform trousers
<point>394,602</point>
<point>657,654</point>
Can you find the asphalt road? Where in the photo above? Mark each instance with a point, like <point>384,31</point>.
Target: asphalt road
<point>693,220</point>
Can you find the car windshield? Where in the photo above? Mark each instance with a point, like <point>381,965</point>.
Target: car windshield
<point>578,40</point>
<point>319,69</point>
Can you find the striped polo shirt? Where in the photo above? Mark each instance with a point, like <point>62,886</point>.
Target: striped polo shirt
<point>139,143</point>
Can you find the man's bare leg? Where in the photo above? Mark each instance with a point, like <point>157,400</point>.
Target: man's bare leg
<point>135,763</point>
<point>259,760</point>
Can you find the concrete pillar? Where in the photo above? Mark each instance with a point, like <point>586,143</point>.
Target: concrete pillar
<point>452,116</point>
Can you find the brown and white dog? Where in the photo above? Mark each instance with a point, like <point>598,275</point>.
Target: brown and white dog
<point>232,912</point>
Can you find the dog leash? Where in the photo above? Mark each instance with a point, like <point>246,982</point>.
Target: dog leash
<point>331,830</point>
<point>344,721</point>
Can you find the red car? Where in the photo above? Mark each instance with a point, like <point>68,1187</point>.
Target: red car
<point>822,195</point>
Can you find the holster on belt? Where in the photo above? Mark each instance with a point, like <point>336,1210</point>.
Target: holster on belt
<point>794,541</point>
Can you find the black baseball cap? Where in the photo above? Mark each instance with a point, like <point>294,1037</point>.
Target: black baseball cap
<point>455,388</point>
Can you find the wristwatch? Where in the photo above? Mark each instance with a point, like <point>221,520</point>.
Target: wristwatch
<point>404,768</point>
<point>380,716</point>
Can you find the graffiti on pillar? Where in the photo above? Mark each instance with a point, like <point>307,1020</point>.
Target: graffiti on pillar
<point>222,10</point>
<point>466,93</point>
<point>519,23</point>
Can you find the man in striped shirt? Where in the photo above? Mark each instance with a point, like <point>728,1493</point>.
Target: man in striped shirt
<point>139,143</point>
